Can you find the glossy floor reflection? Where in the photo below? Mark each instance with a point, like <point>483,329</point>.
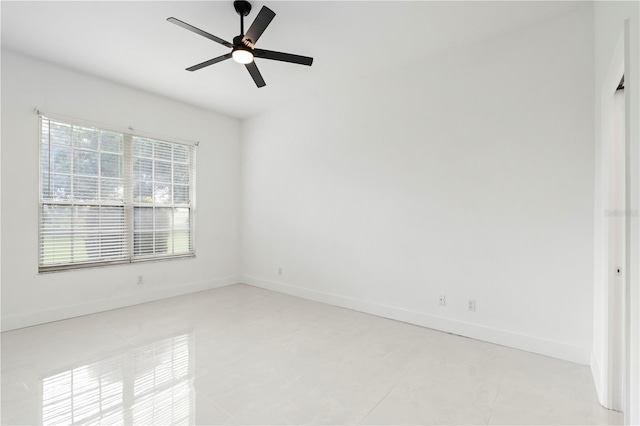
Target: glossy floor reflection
<point>146,385</point>
<point>243,355</point>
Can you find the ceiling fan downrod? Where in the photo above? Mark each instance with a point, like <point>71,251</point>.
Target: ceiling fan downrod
<point>243,8</point>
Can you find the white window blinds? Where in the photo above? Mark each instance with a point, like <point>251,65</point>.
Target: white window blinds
<point>109,197</point>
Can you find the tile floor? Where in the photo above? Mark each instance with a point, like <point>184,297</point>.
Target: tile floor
<point>243,355</point>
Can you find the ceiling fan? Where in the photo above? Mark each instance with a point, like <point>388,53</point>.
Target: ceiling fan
<point>242,48</point>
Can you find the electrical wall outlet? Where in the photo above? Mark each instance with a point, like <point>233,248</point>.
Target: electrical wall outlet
<point>442,301</point>
<point>279,271</point>
<point>140,280</point>
<point>471,305</point>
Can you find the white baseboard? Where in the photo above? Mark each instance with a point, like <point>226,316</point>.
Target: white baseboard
<point>488,334</point>
<point>71,311</point>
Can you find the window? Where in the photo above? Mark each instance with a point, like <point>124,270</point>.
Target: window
<point>110,197</point>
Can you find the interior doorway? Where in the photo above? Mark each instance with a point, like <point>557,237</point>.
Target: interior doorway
<point>617,249</point>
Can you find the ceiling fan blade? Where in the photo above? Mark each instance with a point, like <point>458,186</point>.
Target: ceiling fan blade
<point>258,26</point>
<point>209,62</point>
<point>255,74</point>
<point>284,57</point>
<point>199,31</point>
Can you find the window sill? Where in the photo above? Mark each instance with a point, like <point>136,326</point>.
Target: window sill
<point>81,266</point>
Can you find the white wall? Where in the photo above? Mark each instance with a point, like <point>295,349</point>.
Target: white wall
<point>609,23</point>
<point>30,298</point>
<point>468,174</point>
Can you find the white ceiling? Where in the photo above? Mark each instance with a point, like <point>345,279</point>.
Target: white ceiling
<point>132,43</point>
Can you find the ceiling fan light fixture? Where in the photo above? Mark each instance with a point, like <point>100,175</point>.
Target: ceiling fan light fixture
<point>242,55</point>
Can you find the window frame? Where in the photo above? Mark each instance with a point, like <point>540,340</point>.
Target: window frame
<point>128,204</point>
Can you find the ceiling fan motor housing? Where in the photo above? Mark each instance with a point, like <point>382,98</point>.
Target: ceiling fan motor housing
<point>240,41</point>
